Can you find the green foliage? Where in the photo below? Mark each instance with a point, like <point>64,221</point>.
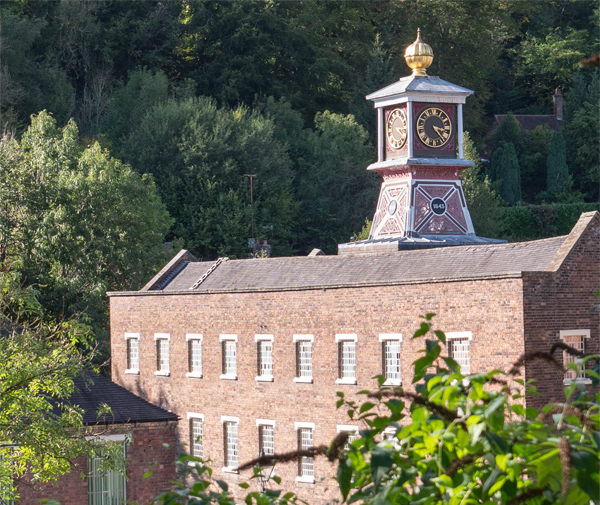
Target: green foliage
<point>531,222</point>
<point>199,154</point>
<point>336,190</point>
<point>131,103</point>
<point>508,131</point>
<point>533,161</point>
<point>456,439</point>
<point>509,174</point>
<point>484,203</point>
<point>365,232</point>
<point>40,432</point>
<point>76,222</point>
<point>558,172</point>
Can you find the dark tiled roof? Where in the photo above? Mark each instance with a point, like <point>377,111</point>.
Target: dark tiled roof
<point>528,122</point>
<point>93,390</point>
<point>448,263</point>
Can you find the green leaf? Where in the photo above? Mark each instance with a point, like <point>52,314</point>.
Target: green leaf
<point>277,479</point>
<point>244,485</point>
<point>423,330</point>
<point>475,432</point>
<point>344,477</point>
<point>495,404</point>
<point>222,484</point>
<point>452,364</point>
<point>441,335</point>
<point>491,481</point>
<point>381,462</point>
<point>366,406</point>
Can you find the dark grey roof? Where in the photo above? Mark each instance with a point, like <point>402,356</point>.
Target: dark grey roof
<point>420,84</point>
<point>466,262</point>
<point>93,390</point>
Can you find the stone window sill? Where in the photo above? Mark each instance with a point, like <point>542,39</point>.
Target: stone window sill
<point>132,371</point>
<point>229,469</point>
<point>228,376</point>
<point>264,378</point>
<point>194,375</point>
<point>347,380</point>
<point>566,382</point>
<point>393,382</point>
<point>164,373</point>
<point>305,380</point>
<point>308,480</point>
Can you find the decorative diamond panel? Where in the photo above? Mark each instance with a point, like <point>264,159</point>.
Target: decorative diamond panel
<point>455,209</point>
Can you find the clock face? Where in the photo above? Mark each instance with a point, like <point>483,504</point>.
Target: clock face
<point>397,129</point>
<point>434,127</point>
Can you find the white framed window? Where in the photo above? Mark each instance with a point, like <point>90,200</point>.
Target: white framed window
<point>575,339</point>
<point>230,443</point>
<point>306,465</point>
<point>162,353</point>
<point>304,349</point>
<point>229,356</point>
<point>346,358</point>
<point>459,344</point>
<point>196,422</point>
<point>264,357</point>
<point>266,436</point>
<point>391,347</point>
<point>194,345</point>
<point>352,433</point>
<point>106,486</point>
<point>132,340</point>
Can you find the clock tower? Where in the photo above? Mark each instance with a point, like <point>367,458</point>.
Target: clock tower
<point>420,158</point>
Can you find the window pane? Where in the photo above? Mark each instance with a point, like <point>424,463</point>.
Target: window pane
<point>577,342</point>
<point>195,350</point>
<point>305,439</point>
<point>304,356</point>
<point>133,354</point>
<point>105,487</point>
<point>348,359</point>
<point>265,357</point>
<point>267,439</point>
<point>162,347</point>
<point>196,429</point>
<point>459,351</point>
<point>231,444</point>
<point>230,357</point>
<point>392,359</point>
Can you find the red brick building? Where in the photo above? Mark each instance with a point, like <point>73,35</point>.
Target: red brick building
<point>148,436</point>
<point>250,353</point>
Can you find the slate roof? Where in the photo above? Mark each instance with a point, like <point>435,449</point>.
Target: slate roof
<point>93,390</point>
<point>528,122</point>
<point>400,267</point>
<point>420,84</point>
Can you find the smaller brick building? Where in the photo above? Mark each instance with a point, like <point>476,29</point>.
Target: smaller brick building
<point>147,433</point>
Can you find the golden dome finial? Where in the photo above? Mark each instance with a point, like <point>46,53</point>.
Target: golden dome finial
<point>418,55</point>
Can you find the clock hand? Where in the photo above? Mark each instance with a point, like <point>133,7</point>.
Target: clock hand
<point>438,130</point>
<point>399,130</point>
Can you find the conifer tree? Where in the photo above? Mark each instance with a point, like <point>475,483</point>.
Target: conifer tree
<point>509,172</point>
<point>495,164</point>
<point>558,171</point>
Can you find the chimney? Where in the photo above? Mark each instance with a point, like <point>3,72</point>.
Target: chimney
<point>558,104</point>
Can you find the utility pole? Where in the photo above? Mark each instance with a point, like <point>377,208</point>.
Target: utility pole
<point>251,176</point>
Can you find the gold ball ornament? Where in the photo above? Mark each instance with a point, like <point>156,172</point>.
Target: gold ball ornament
<point>418,55</point>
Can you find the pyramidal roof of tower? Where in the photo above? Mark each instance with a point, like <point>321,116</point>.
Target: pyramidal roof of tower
<point>185,274</point>
<point>420,84</point>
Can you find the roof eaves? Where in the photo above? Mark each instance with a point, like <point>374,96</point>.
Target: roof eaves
<point>430,280</point>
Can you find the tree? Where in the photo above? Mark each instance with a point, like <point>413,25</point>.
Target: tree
<point>483,201</point>
<point>40,431</point>
<point>199,155</point>
<point>456,439</point>
<point>558,172</point>
<point>509,174</point>
<point>336,190</point>
<point>76,222</point>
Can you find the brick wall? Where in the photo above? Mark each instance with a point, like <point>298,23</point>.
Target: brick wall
<point>146,447</point>
<point>490,309</point>
<point>562,301</point>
